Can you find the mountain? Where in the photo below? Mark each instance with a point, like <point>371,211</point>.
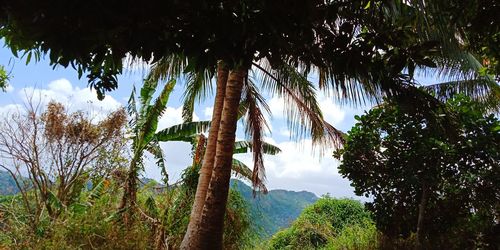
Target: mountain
<point>7,184</point>
<point>275,210</point>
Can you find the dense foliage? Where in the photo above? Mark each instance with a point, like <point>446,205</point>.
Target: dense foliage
<point>91,221</point>
<point>329,224</point>
<point>434,173</point>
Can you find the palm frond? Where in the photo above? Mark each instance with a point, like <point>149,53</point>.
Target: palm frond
<point>302,110</point>
<point>151,207</point>
<point>96,192</point>
<point>483,90</point>
<point>255,129</point>
<point>170,67</point>
<point>242,147</point>
<point>198,87</point>
<point>132,109</point>
<point>182,132</point>
<point>241,170</point>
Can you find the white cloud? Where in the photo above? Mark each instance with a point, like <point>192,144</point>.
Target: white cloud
<point>208,112</point>
<point>284,131</point>
<point>172,116</point>
<point>177,157</point>
<point>300,167</point>
<point>332,113</point>
<point>9,88</point>
<point>74,98</point>
<point>10,108</point>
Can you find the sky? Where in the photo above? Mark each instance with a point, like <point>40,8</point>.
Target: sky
<point>298,167</point>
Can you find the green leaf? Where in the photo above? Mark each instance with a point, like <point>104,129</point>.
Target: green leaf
<point>367,6</point>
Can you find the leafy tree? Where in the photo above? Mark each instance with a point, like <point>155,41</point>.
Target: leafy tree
<point>430,173</point>
<point>144,124</point>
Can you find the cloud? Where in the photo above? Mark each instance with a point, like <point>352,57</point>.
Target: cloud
<point>300,167</point>
<point>9,88</point>
<point>332,113</point>
<point>172,116</point>
<point>74,98</point>
<point>177,157</point>
<point>9,109</point>
<point>208,112</point>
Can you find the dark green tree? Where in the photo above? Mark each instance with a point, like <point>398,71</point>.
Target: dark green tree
<point>433,173</point>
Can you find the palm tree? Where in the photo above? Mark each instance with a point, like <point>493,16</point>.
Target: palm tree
<point>299,96</point>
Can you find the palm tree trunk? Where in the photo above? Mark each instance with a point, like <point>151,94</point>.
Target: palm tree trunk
<point>212,222</point>
<point>208,159</point>
<point>421,214</point>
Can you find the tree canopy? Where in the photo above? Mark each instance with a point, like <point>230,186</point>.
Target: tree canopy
<point>367,40</point>
<point>440,167</point>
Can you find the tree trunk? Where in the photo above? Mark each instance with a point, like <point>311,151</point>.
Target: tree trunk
<point>208,159</point>
<point>421,214</point>
<point>129,194</point>
<point>211,226</point>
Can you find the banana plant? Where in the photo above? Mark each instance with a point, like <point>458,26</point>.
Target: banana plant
<point>143,123</point>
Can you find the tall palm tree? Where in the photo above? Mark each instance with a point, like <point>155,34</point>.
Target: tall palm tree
<point>299,96</point>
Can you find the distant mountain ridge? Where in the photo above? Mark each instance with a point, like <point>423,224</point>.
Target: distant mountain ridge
<point>269,212</point>
<point>7,184</point>
<point>275,210</point>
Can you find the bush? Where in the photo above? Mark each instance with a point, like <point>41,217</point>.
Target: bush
<point>329,223</point>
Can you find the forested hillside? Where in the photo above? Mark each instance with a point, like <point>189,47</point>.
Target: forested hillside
<point>275,210</point>
<point>7,184</point>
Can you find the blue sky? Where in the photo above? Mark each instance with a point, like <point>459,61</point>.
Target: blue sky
<point>298,167</point>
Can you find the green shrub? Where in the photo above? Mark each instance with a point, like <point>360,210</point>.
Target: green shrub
<point>331,224</point>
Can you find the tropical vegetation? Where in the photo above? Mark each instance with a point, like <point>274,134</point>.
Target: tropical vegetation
<point>359,51</point>
<point>433,175</point>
